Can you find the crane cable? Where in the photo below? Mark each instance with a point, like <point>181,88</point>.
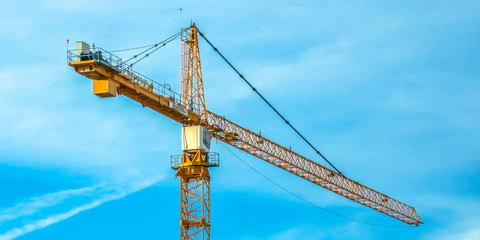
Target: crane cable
<point>130,49</point>
<point>155,47</point>
<point>305,200</point>
<point>267,102</point>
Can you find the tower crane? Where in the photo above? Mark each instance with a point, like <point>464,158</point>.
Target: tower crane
<point>112,76</point>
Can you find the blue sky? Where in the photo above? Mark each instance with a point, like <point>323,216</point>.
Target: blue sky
<point>389,92</point>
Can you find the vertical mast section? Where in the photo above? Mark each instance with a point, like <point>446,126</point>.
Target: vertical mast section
<point>194,195</point>
<point>196,157</point>
<point>192,84</point>
<point>195,182</point>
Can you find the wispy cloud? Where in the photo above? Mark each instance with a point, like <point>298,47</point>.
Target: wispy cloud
<point>468,229</point>
<point>35,204</point>
<point>471,233</point>
<point>100,194</point>
<point>458,216</point>
<point>64,122</point>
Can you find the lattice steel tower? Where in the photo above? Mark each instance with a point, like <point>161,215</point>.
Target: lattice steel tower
<point>196,157</point>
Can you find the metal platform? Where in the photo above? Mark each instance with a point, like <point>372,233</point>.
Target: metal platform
<point>213,160</point>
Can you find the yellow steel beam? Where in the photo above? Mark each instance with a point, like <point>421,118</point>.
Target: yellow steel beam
<point>125,86</point>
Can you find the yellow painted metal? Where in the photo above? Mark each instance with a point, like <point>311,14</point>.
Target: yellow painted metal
<point>105,88</point>
<point>193,158</point>
<point>193,171</point>
<point>87,69</point>
<point>195,195</point>
<point>193,82</point>
<point>133,90</point>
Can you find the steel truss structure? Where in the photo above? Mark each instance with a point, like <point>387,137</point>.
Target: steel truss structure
<point>307,169</point>
<point>193,172</point>
<point>194,196</point>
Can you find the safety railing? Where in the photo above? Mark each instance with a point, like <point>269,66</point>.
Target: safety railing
<point>117,64</point>
<point>212,158</point>
<point>175,161</point>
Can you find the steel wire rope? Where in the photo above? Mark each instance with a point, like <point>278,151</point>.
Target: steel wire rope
<point>155,47</point>
<point>134,48</point>
<point>268,103</point>
<point>305,200</point>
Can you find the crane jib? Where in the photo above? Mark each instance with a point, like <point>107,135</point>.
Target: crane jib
<point>305,168</point>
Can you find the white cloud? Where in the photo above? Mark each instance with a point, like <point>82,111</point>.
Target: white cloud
<point>453,216</point>
<point>461,229</point>
<point>35,204</point>
<point>53,118</point>
<point>102,194</point>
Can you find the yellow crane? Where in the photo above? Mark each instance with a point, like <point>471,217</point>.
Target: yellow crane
<point>112,76</point>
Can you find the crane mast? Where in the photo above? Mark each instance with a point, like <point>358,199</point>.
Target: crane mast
<point>193,170</point>
<point>111,77</point>
<point>192,85</point>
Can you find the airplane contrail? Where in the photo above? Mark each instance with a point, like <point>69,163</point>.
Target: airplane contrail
<point>35,204</point>
<point>119,192</point>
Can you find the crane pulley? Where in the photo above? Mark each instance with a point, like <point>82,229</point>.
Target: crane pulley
<point>111,77</point>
